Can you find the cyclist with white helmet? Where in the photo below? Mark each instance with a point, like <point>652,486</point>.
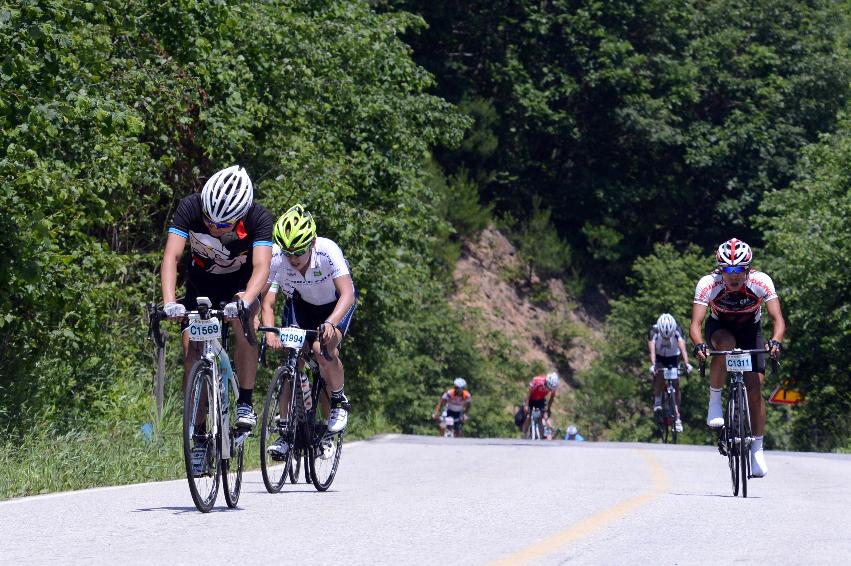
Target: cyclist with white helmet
<point>540,388</point>
<point>734,295</point>
<point>572,433</point>
<point>666,345</point>
<point>458,401</point>
<point>230,242</point>
<point>315,276</point>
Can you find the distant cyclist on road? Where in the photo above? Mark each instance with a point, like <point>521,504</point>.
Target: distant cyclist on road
<point>734,294</point>
<point>314,274</point>
<point>458,401</point>
<point>666,345</point>
<point>573,434</point>
<point>542,393</point>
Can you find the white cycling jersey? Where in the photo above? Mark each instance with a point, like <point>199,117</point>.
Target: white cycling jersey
<point>666,347</point>
<point>316,286</point>
<point>741,307</point>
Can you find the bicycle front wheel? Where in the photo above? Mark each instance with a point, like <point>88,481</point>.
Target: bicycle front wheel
<point>275,428</point>
<point>295,466</point>
<point>743,433</point>
<point>733,447</point>
<point>198,441</point>
<point>672,419</point>
<point>324,459</point>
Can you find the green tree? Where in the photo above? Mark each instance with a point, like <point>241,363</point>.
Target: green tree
<point>808,242</point>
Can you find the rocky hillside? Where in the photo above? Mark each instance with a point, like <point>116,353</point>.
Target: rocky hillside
<point>541,320</point>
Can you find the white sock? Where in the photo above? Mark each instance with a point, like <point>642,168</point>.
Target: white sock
<point>714,396</point>
<point>756,445</point>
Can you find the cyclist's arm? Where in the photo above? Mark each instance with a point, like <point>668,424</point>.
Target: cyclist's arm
<point>550,403</point>
<point>682,344</point>
<point>776,314</point>
<point>695,330</point>
<point>651,345</point>
<point>346,291</point>
<point>267,309</point>
<point>168,269</point>
<point>438,406</point>
<point>261,260</point>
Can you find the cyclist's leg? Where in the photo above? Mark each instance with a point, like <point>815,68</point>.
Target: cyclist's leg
<point>658,386</point>
<point>750,338</point>
<point>246,354</point>
<point>719,338</point>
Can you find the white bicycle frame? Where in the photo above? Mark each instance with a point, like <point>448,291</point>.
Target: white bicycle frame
<point>212,350</point>
<point>536,424</point>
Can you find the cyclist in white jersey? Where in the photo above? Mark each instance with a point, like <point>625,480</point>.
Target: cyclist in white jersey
<point>734,294</point>
<point>457,400</point>
<point>315,276</point>
<point>666,345</point>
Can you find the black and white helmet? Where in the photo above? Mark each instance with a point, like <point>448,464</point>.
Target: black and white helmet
<point>227,195</point>
<point>666,325</point>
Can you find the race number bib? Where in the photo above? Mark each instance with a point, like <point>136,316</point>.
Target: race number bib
<point>202,330</point>
<point>293,337</point>
<point>671,373</point>
<point>739,362</point>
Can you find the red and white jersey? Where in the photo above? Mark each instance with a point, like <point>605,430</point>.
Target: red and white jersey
<point>538,388</point>
<point>742,307</point>
<point>456,402</point>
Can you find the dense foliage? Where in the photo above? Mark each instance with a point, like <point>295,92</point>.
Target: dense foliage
<point>808,236</point>
<point>636,122</point>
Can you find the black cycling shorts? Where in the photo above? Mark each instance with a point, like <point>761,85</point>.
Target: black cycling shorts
<point>666,362</point>
<point>748,337</point>
<point>538,404</point>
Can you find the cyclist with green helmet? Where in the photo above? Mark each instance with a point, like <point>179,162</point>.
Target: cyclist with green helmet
<point>314,275</point>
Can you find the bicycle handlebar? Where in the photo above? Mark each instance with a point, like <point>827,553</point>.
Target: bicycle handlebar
<point>775,363</point>
<point>315,333</point>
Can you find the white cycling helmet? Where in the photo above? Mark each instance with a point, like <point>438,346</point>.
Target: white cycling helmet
<point>666,325</point>
<point>552,381</point>
<point>571,430</point>
<point>460,383</point>
<point>227,195</point>
<point>734,252</point>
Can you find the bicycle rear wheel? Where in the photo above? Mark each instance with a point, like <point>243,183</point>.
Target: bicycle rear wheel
<point>274,469</point>
<point>324,458</point>
<point>197,436</point>
<point>232,467</point>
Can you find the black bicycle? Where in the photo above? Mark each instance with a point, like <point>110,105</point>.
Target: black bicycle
<point>292,420</point>
<point>735,436</point>
<point>666,419</point>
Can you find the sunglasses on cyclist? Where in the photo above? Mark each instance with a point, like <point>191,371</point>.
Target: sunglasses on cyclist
<point>219,224</point>
<point>734,269</point>
<point>298,253</point>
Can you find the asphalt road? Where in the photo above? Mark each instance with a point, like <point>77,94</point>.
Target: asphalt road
<point>424,500</point>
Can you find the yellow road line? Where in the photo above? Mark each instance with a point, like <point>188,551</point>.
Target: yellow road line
<point>594,522</point>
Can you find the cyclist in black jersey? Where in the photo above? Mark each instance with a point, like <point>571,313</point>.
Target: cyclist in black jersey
<point>230,239</point>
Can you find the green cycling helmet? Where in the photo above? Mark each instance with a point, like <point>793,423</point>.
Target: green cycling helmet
<point>295,229</point>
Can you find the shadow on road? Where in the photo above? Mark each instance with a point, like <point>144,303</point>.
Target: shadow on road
<point>182,510</point>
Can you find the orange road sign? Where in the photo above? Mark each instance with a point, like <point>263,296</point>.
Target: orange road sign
<point>786,394</point>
